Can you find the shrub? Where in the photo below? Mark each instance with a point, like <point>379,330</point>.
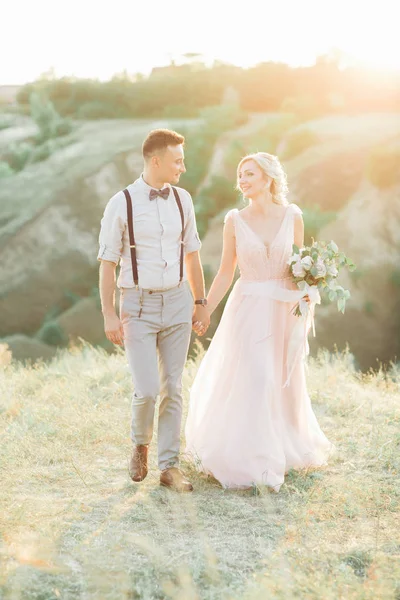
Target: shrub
<point>222,191</point>
<point>395,277</point>
<point>19,155</point>
<point>6,121</point>
<point>46,149</point>
<point>213,199</point>
<point>44,114</point>
<point>42,152</point>
<point>51,333</point>
<point>303,106</point>
<point>179,111</point>
<point>266,139</point>
<point>314,220</point>
<point>63,127</point>
<point>383,166</point>
<point>297,141</point>
<point>5,169</point>
<point>200,141</point>
<point>98,110</point>
<point>223,117</point>
<point>234,154</point>
<point>47,119</point>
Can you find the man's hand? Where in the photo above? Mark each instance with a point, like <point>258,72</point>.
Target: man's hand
<point>113,329</point>
<point>201,319</point>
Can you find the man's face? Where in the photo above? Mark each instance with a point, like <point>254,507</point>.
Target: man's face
<point>171,164</point>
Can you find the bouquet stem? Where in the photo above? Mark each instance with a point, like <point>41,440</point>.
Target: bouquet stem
<point>296,310</point>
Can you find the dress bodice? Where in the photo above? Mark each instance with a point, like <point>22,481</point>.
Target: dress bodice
<point>256,261</point>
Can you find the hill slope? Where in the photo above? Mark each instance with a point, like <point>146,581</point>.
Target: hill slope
<point>50,216</point>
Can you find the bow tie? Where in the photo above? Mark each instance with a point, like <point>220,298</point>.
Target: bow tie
<point>164,193</point>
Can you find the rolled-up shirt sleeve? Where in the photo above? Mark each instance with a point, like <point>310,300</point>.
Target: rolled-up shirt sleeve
<point>112,230</point>
<point>192,241</point>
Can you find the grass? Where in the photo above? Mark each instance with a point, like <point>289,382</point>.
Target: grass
<point>74,526</point>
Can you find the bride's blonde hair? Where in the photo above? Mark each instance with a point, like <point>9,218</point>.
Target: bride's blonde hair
<point>270,166</point>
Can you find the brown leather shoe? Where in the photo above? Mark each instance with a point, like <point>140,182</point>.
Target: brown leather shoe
<point>138,463</point>
<point>174,479</point>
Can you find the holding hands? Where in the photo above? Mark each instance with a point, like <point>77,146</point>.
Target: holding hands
<point>200,319</point>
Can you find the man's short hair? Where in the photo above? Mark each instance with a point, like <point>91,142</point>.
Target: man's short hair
<point>159,139</point>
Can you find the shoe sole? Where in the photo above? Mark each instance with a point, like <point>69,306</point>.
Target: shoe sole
<point>170,487</point>
<point>137,480</point>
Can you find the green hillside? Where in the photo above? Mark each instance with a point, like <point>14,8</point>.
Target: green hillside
<point>86,150</point>
<point>343,171</point>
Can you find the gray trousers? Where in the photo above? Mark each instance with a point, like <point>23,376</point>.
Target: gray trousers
<point>156,345</point>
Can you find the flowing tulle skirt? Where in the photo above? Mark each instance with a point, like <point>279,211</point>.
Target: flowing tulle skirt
<point>250,417</point>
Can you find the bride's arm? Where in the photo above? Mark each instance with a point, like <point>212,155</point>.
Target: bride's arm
<point>299,238</point>
<point>226,271</point>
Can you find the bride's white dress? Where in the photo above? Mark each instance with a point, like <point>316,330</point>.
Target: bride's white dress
<point>250,416</point>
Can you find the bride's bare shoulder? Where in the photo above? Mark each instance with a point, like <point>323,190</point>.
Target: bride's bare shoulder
<point>230,215</point>
<point>295,209</point>
<point>243,211</point>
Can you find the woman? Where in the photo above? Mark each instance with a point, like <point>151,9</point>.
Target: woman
<point>250,417</point>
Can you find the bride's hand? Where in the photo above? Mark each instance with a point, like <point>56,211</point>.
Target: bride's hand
<point>201,320</point>
<point>200,328</point>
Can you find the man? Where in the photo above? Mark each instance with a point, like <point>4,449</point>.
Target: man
<point>156,310</point>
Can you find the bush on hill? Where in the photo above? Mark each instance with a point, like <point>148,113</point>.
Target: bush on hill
<point>297,141</point>
<point>383,167</point>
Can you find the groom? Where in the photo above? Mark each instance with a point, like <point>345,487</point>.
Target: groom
<point>150,228</point>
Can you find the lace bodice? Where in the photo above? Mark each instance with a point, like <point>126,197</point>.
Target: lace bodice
<point>256,261</point>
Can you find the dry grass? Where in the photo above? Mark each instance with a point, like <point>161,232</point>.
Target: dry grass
<point>74,526</point>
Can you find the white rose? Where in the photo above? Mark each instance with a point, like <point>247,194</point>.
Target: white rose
<point>298,270</point>
<point>332,270</point>
<point>321,269</point>
<point>293,258</point>
<point>307,262</point>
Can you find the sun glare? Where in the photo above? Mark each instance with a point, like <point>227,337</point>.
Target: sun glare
<point>289,31</point>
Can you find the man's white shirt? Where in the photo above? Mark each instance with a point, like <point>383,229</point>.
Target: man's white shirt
<point>157,227</point>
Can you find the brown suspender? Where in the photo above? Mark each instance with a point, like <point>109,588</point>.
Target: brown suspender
<point>132,243</point>
<point>179,203</point>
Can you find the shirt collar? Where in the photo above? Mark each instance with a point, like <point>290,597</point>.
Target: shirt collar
<point>148,187</point>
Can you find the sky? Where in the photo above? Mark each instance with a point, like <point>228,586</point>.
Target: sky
<point>97,39</point>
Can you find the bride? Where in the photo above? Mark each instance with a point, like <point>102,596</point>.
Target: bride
<point>250,417</point>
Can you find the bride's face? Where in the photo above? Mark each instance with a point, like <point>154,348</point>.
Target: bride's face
<point>251,179</point>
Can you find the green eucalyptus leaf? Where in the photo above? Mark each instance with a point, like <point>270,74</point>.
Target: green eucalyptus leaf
<point>332,295</point>
<point>334,246</point>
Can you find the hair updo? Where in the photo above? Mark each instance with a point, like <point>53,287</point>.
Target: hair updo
<point>271,167</point>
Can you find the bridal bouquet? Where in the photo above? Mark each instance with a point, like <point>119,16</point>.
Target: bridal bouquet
<point>315,269</point>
